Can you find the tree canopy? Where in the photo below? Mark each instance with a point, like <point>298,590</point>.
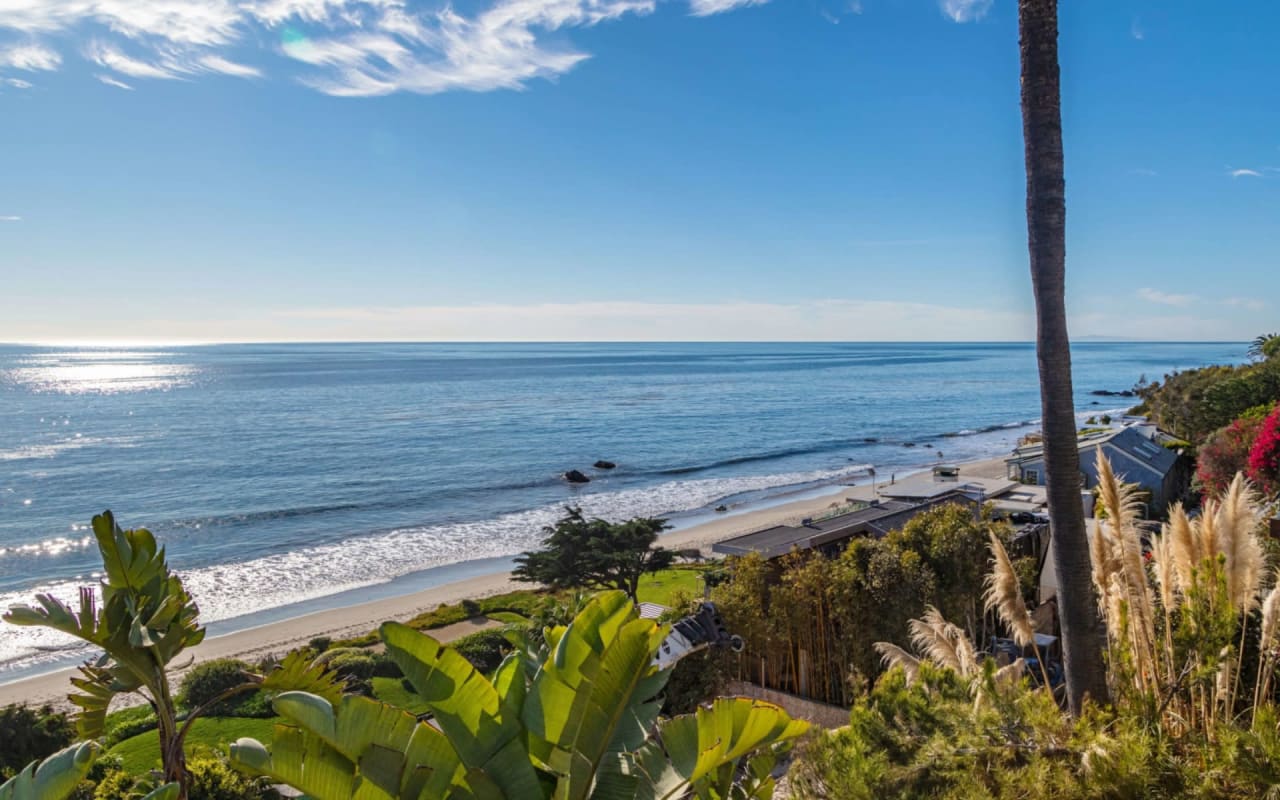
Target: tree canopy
<point>579,552</point>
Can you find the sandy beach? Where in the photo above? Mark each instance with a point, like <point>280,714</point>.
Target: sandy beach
<point>280,637</point>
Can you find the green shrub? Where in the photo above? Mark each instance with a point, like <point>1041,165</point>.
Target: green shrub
<point>320,643</point>
<point>384,666</point>
<point>212,778</point>
<point>484,649</point>
<point>129,722</point>
<point>117,785</point>
<point>29,734</point>
<point>204,682</point>
<point>357,666</point>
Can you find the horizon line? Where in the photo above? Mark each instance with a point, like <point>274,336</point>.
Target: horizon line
<point>229,342</point>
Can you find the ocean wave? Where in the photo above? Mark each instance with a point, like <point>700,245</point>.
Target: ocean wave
<point>226,591</point>
<point>753,458</point>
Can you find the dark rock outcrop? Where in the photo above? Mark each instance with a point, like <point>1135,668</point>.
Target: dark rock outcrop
<point>574,476</point>
<point>1108,393</point>
<point>602,464</point>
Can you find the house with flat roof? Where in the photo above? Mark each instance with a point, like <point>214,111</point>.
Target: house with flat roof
<point>830,535</point>
<point>1008,497</point>
<point>1135,456</point>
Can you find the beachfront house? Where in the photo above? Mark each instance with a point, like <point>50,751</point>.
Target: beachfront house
<point>1008,498</point>
<point>830,534</point>
<point>1136,454</point>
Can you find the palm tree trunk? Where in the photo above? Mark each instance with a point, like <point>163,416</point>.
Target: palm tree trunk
<point>1082,631</point>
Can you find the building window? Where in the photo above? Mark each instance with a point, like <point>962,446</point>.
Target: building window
<point>1031,476</point>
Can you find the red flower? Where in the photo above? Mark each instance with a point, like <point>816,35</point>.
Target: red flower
<point>1264,456</point>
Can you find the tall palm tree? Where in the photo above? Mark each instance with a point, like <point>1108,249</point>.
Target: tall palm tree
<point>1082,634</point>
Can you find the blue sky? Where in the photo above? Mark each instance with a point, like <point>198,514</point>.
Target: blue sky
<point>230,170</point>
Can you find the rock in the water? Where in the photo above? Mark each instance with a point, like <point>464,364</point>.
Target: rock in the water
<point>722,509</point>
<point>1108,393</point>
<point>908,444</point>
<point>574,476</point>
<point>602,464</point>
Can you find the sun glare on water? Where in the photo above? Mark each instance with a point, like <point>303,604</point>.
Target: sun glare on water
<point>98,371</point>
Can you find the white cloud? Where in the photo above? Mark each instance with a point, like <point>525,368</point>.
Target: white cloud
<point>110,81</point>
<point>965,10</point>
<point>705,8</point>
<point>18,83</point>
<point>1165,298</point>
<point>1245,173</point>
<point>184,22</point>
<point>30,57</point>
<point>353,47</point>
<point>1250,303</point>
<point>1136,30</point>
<point>1144,172</point>
<point>11,218</point>
<point>107,56</point>
<point>216,63</point>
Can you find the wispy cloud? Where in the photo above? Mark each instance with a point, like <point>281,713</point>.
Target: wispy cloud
<point>1165,298</point>
<point>110,81</point>
<point>30,57</point>
<point>1244,173</point>
<point>10,218</point>
<point>1136,30</point>
<point>18,83</point>
<point>217,63</point>
<point>1250,303</point>
<point>1144,172</point>
<point>108,56</point>
<point>351,47</point>
<point>705,8</point>
<point>965,10</point>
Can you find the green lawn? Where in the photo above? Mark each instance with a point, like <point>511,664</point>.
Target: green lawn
<point>142,752</point>
<point>509,617</point>
<point>659,587</point>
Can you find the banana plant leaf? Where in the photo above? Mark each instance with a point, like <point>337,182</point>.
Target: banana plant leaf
<point>54,778</point>
<point>582,725</point>
<point>144,620</point>
<point>486,732</point>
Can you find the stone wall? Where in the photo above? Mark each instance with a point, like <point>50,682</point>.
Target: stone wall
<point>820,714</point>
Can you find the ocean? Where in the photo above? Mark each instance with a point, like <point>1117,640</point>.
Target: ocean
<point>288,478</point>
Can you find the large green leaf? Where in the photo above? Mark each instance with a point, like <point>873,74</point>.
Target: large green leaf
<point>359,748</point>
<point>54,778</point>
<point>486,734</point>
<point>700,753</point>
<point>590,697</point>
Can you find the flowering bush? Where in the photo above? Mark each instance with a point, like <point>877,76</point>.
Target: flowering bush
<point>1264,456</point>
<point>1225,453</point>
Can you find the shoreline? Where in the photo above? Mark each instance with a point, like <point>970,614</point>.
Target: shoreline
<point>359,618</point>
